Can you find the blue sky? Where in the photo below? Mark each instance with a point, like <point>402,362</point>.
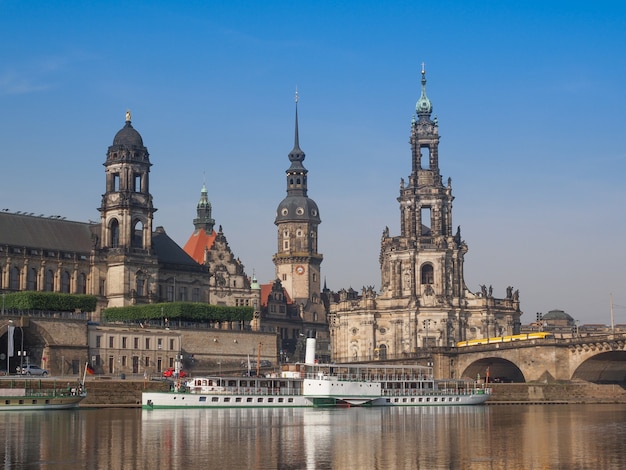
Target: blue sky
<point>529,96</point>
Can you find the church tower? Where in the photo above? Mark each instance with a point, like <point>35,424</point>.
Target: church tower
<point>126,210</point>
<point>297,260</point>
<point>425,263</point>
<point>126,214</point>
<point>423,300</point>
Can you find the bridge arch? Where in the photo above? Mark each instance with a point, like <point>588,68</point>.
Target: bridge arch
<point>497,368</point>
<point>602,368</point>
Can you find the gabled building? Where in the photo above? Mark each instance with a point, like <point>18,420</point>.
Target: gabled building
<point>423,299</point>
<point>228,284</point>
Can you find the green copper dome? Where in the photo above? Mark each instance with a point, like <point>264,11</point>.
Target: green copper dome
<point>423,106</point>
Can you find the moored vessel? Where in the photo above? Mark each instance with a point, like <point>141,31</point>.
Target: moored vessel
<point>315,385</point>
<point>34,395</point>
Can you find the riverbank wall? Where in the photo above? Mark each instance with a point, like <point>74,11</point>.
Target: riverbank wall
<point>128,393</point>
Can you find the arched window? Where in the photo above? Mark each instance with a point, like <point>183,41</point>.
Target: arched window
<point>428,274</point>
<point>137,240</point>
<point>31,279</point>
<point>48,283</point>
<point>65,282</point>
<point>81,286</point>
<point>382,352</point>
<point>14,278</point>
<point>115,234</point>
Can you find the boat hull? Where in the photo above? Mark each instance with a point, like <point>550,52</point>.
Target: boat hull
<point>37,403</point>
<point>162,400</point>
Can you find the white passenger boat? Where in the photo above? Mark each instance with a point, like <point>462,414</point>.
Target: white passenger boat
<point>311,385</point>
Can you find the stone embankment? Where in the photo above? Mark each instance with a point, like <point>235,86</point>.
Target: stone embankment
<point>567,392</point>
<point>128,392</point>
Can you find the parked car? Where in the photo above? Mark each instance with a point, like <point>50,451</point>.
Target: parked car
<point>171,372</point>
<point>31,369</point>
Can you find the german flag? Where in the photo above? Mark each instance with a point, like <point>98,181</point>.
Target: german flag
<point>90,370</point>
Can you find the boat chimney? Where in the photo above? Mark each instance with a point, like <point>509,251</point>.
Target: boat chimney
<point>309,357</point>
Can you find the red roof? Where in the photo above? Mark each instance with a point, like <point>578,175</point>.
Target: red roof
<point>266,290</point>
<point>197,243</point>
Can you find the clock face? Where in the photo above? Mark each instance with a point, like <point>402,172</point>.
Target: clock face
<point>300,269</point>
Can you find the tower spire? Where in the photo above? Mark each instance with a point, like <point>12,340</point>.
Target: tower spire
<point>423,108</point>
<point>296,154</point>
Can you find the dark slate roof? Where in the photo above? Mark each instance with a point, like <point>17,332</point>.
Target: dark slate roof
<point>168,252</point>
<point>51,233</point>
<point>128,136</point>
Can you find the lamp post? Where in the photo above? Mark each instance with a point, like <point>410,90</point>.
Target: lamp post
<point>22,352</point>
<point>8,341</point>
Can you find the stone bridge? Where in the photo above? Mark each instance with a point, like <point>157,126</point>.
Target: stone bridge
<point>598,358</point>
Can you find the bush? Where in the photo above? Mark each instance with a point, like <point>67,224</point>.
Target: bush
<point>33,300</point>
<point>185,311</point>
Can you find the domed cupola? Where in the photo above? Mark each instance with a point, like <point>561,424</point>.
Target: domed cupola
<point>127,135</point>
<point>423,106</point>
<point>297,206</point>
<point>128,144</point>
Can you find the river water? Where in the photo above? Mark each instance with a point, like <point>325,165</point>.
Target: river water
<point>482,437</point>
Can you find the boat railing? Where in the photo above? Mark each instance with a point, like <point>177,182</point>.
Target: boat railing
<point>247,391</point>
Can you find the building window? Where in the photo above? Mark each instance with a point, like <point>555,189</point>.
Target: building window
<point>14,278</point>
<point>140,286</point>
<point>285,245</point>
<point>110,341</point>
<point>81,287</point>
<point>428,275</point>
<point>98,341</point>
<point>31,279</point>
<point>65,282</point>
<point>170,293</point>
<point>159,343</point>
<point>171,344</point>
<point>136,343</point>
<point>147,362</point>
<point>195,294</point>
<point>124,342</point>
<point>115,234</point>
<point>124,361</point>
<point>147,343</point>
<point>182,294</point>
<point>284,277</point>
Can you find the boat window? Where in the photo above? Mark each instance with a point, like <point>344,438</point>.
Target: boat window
<point>202,399</point>
<point>259,400</point>
<point>227,399</point>
<point>249,400</point>
<point>238,399</point>
<point>290,400</point>
<point>280,400</point>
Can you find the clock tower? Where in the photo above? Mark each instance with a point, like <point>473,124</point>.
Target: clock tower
<point>297,260</point>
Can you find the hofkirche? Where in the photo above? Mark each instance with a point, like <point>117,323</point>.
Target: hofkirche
<point>423,300</point>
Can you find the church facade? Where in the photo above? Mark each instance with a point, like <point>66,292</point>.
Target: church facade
<point>423,300</point>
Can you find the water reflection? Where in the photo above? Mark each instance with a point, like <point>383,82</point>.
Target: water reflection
<point>489,437</point>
